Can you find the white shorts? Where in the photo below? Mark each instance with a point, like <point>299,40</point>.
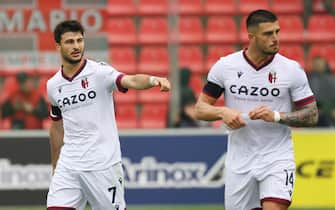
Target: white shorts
<point>101,189</point>
<point>248,190</point>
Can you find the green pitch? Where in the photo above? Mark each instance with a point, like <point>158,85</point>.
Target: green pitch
<point>134,208</point>
<point>198,207</point>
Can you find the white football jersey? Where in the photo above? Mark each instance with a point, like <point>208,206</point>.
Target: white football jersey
<point>85,103</point>
<point>276,84</point>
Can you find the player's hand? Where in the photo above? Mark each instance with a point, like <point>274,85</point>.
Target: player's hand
<point>232,118</point>
<point>163,83</point>
<point>262,113</point>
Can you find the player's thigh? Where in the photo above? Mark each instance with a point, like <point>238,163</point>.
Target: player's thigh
<point>65,191</point>
<point>268,205</point>
<point>105,189</point>
<point>276,189</point>
<point>241,191</point>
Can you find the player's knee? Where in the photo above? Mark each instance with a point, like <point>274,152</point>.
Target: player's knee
<point>269,205</point>
<point>60,208</point>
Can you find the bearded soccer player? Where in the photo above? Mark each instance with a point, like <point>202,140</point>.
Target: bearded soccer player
<point>265,93</point>
<point>85,148</point>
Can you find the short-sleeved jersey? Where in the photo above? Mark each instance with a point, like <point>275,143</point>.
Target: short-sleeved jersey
<point>85,103</point>
<point>276,84</point>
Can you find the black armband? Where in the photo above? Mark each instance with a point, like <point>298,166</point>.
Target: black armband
<point>55,113</point>
<point>213,90</point>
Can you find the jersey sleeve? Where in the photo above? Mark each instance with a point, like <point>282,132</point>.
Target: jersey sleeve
<point>55,113</point>
<point>215,85</point>
<point>300,90</point>
<point>112,78</point>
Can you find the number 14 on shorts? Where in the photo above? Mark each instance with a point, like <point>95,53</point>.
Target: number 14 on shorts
<point>289,180</point>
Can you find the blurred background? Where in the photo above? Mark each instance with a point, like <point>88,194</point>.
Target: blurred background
<point>180,39</point>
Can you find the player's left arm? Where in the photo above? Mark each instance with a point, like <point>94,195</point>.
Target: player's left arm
<point>303,116</point>
<point>143,81</point>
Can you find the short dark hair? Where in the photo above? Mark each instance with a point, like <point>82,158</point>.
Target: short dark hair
<point>260,16</point>
<point>67,26</point>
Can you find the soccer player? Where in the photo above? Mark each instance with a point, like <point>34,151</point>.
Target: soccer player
<point>265,93</point>
<point>85,148</point>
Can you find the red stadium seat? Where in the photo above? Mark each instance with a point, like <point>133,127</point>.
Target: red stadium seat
<point>121,7</point>
<point>153,116</point>
<point>46,124</point>
<point>196,83</point>
<point>5,124</point>
<point>121,31</point>
<point>189,31</point>
<point>191,57</point>
<point>246,6</point>
<point>126,116</point>
<point>326,51</point>
<point>287,7</point>
<point>221,29</point>
<point>321,28</point>
<point>291,29</point>
<point>243,33</point>
<point>220,7</point>
<point>153,95</point>
<point>188,7</point>
<point>123,59</point>
<point>154,60</point>
<point>9,86</point>
<point>43,79</point>
<point>319,7</point>
<point>153,7</point>
<point>130,97</point>
<point>293,51</point>
<point>153,30</point>
<point>6,86</point>
<point>214,52</point>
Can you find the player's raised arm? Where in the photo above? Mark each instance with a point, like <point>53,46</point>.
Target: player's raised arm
<point>56,141</point>
<point>143,81</point>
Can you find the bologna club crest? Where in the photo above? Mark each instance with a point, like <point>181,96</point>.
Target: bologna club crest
<point>84,83</point>
<point>272,77</point>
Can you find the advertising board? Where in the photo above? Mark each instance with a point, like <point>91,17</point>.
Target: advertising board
<point>315,175</point>
<point>158,168</point>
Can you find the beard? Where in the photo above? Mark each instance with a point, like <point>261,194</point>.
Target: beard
<point>272,49</point>
<point>267,50</point>
<point>270,52</point>
<point>73,61</point>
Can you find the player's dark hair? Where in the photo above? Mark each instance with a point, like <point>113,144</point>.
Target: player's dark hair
<point>67,26</point>
<point>260,16</point>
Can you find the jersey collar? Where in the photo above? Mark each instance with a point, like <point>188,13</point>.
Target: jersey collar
<point>77,72</point>
<point>254,65</point>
